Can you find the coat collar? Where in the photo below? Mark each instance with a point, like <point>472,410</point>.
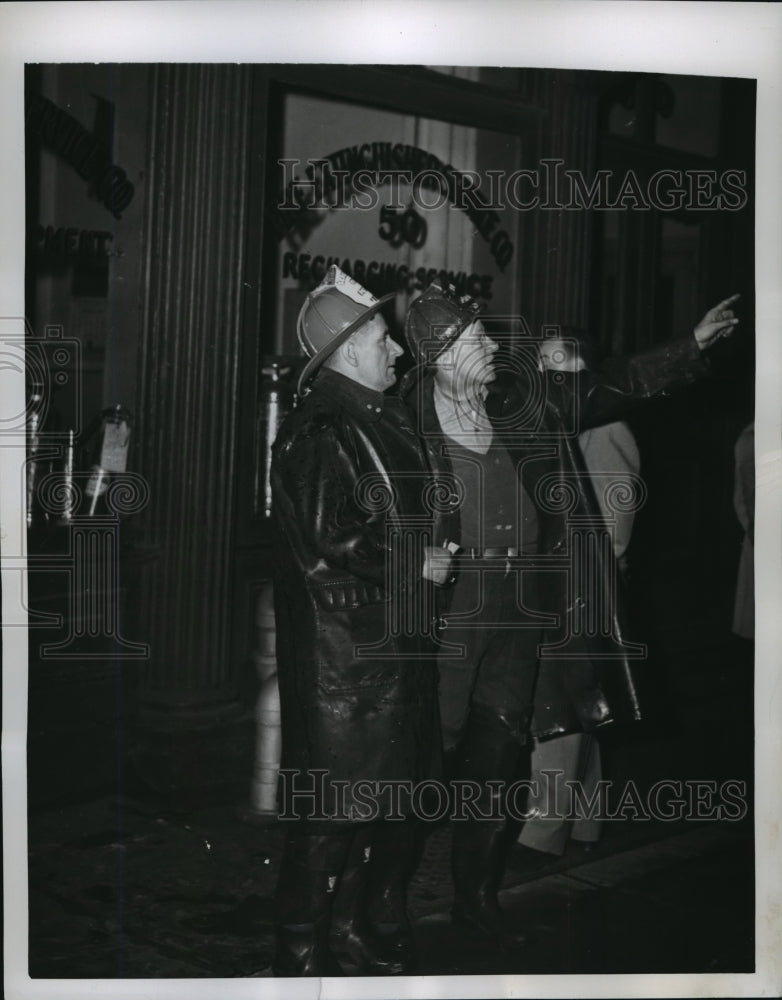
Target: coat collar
<point>362,403</point>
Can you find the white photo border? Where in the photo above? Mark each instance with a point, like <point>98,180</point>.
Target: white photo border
<point>710,39</point>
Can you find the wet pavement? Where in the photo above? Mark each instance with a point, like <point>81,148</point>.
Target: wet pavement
<point>128,888</point>
<point>126,885</point>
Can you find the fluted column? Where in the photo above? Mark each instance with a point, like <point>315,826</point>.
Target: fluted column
<point>555,273</point>
<point>189,389</point>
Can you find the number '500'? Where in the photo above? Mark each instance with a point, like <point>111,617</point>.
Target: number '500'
<point>402,227</point>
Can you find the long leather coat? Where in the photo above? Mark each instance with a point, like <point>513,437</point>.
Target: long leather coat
<point>351,498</point>
<point>588,666</point>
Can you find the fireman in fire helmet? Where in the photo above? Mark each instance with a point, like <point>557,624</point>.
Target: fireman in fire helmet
<point>358,691</point>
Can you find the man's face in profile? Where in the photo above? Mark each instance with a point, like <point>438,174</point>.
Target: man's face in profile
<point>376,355</point>
<point>470,359</point>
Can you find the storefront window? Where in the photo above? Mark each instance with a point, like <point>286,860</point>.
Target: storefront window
<point>693,123</point>
<point>395,200</point>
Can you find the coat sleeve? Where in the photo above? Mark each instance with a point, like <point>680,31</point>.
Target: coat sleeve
<point>315,479</point>
<point>609,392</point>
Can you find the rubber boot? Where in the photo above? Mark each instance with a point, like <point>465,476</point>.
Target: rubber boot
<point>361,949</point>
<point>396,851</point>
<point>492,750</point>
<point>311,867</point>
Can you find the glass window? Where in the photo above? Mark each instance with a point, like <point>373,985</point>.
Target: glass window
<point>693,123</point>
<point>395,200</point>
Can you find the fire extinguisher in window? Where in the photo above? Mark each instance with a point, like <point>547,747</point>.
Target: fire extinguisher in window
<point>35,408</point>
<point>277,397</point>
<point>110,454</point>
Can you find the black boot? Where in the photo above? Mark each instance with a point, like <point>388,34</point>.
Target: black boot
<point>478,854</point>
<point>311,867</point>
<point>396,851</point>
<point>491,751</point>
<point>357,941</point>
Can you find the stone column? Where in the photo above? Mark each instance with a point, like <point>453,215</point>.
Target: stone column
<point>192,725</point>
<point>555,270</point>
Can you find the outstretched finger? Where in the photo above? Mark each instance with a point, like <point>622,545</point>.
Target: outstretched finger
<point>722,327</point>
<point>728,301</point>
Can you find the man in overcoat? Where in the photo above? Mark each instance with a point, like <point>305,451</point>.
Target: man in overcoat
<point>354,568</point>
<point>572,753</point>
<point>530,583</point>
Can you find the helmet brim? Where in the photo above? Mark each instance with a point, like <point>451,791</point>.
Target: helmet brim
<point>436,309</point>
<point>438,347</point>
<point>314,363</point>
